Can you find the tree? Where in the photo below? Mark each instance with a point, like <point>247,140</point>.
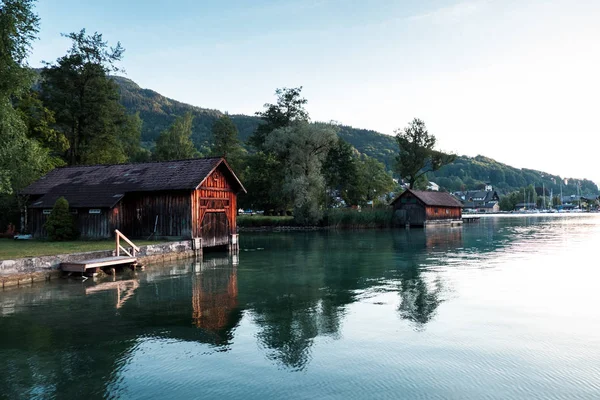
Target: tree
<point>40,121</point>
<point>265,174</point>
<point>22,158</point>
<point>304,147</point>
<point>341,173</point>
<point>225,140</point>
<point>85,101</point>
<point>417,155</point>
<point>19,26</point>
<point>60,224</point>
<point>507,203</point>
<point>131,137</point>
<point>176,142</point>
<point>375,181</point>
<point>289,109</point>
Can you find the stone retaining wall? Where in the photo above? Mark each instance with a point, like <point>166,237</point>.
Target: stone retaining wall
<point>28,270</point>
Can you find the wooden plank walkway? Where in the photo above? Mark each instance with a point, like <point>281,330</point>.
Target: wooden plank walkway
<point>82,266</point>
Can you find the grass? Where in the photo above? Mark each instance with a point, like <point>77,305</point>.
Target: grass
<point>11,249</point>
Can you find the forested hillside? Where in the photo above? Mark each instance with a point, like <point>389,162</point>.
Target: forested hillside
<point>158,113</point>
<point>474,172</point>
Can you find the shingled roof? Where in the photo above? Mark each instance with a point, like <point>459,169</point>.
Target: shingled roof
<point>104,185</point>
<point>440,199</point>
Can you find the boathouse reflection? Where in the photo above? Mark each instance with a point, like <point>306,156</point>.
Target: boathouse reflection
<point>214,298</point>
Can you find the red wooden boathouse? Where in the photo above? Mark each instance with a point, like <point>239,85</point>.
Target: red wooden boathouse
<point>420,208</point>
<point>183,199</point>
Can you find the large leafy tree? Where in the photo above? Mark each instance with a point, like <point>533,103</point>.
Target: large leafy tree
<point>288,109</point>
<point>22,158</point>
<point>374,180</point>
<point>265,173</point>
<point>85,100</point>
<point>417,155</point>
<point>176,143</point>
<point>40,125</point>
<point>304,147</point>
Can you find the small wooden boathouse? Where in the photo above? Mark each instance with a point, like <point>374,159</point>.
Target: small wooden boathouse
<point>184,199</point>
<point>421,208</point>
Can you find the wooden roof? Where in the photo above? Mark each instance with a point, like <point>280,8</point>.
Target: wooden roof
<point>440,199</point>
<point>103,186</point>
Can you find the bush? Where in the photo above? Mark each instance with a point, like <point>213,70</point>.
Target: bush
<point>255,221</point>
<point>354,219</point>
<point>60,224</point>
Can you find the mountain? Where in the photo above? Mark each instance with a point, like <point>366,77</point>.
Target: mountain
<point>158,113</point>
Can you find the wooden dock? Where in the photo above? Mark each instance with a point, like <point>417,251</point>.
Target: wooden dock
<point>83,266</point>
<point>96,263</point>
<point>469,219</point>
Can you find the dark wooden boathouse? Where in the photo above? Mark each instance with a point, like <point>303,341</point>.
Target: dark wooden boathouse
<point>420,208</point>
<point>181,199</point>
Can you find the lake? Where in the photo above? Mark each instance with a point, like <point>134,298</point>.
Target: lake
<point>507,308</point>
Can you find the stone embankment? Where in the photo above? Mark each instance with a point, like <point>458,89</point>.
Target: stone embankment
<point>24,271</point>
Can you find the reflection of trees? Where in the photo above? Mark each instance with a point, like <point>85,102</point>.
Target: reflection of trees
<point>419,301</point>
<point>420,297</point>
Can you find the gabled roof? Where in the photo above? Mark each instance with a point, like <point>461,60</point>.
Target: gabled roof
<point>441,199</point>
<point>104,185</point>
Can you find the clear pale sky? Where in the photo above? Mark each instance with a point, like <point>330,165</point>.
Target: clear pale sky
<point>515,80</point>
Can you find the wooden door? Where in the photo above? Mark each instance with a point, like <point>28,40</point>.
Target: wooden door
<point>215,229</point>
<point>415,215</point>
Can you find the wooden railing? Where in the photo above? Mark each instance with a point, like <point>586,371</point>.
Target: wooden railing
<point>119,248</point>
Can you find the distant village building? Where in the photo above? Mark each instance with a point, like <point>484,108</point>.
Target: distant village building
<point>420,208</point>
<point>176,199</point>
<point>433,186</point>
<point>482,201</point>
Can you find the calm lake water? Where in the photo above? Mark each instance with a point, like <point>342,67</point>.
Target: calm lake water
<point>504,309</point>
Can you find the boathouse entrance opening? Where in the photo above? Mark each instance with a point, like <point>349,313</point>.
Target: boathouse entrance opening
<point>215,229</point>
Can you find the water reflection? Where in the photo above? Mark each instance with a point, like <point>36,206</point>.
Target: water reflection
<point>285,294</point>
<point>420,290</point>
<point>214,301</point>
<point>124,290</point>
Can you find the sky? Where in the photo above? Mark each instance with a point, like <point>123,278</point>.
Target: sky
<point>514,80</point>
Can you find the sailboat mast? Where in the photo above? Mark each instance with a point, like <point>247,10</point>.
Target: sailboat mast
<point>544,194</point>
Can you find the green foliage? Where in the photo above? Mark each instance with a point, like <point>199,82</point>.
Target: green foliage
<point>416,152</point>
<point>40,125</point>
<point>289,109</point>
<point>19,26</point>
<point>341,172</point>
<point>158,112</point>
<point>265,174</point>
<point>509,201</point>
<point>257,221</point>
<point>85,102</point>
<point>264,177</point>
<point>353,219</point>
<point>226,142</point>
<point>60,224</point>
<point>374,179</point>
<point>175,143</point>
<point>22,158</point>
<point>303,148</point>
<point>130,138</point>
